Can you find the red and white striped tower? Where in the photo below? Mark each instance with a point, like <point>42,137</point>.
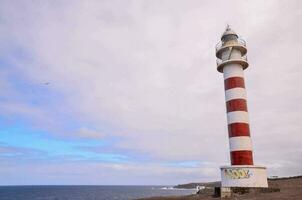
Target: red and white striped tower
<point>232,61</point>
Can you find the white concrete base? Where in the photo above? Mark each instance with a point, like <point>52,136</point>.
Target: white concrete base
<point>243,176</point>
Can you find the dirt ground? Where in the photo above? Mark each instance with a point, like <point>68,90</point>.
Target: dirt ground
<point>291,189</point>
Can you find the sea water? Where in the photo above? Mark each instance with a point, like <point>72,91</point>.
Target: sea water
<point>87,192</point>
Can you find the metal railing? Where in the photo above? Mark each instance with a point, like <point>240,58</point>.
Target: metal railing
<point>239,40</point>
<point>219,61</point>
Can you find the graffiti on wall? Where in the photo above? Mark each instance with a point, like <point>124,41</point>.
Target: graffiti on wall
<point>237,173</point>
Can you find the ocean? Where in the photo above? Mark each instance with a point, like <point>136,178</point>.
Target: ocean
<point>87,192</point>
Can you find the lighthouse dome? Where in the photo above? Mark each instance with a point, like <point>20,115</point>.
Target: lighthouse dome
<point>229,34</point>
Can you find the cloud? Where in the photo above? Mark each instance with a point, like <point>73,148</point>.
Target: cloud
<point>11,153</point>
<point>91,173</point>
<point>88,133</point>
<point>143,73</point>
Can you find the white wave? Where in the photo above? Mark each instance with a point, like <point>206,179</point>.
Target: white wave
<point>172,188</point>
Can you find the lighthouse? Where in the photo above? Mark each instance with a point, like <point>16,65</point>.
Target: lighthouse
<point>231,53</point>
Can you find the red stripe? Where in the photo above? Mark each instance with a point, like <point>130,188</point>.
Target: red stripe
<point>239,129</point>
<point>242,158</point>
<point>236,105</point>
<point>233,82</point>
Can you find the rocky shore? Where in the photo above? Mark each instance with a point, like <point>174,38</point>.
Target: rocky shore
<point>290,189</point>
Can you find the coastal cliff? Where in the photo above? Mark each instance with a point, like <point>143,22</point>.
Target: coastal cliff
<point>194,185</point>
<point>290,189</point>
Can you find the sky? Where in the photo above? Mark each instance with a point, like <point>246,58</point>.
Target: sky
<point>126,92</point>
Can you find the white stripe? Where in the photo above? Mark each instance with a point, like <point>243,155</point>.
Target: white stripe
<point>235,93</point>
<point>232,70</point>
<point>237,117</point>
<point>240,143</point>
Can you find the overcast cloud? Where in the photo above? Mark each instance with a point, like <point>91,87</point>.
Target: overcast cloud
<point>127,92</point>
